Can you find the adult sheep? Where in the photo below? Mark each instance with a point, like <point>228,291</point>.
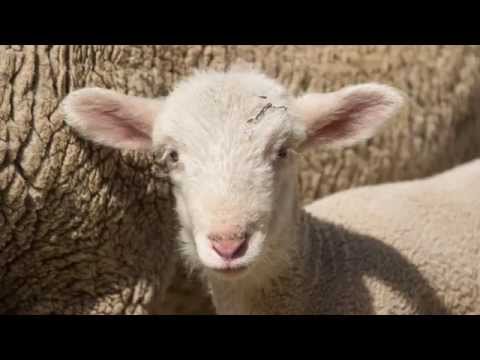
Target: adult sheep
<point>67,244</point>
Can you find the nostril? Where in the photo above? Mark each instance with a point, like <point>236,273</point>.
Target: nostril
<point>241,250</point>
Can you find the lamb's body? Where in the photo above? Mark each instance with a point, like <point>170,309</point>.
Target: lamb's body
<point>230,142</point>
<point>402,248</point>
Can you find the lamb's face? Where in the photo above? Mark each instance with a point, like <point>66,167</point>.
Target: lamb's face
<point>228,144</point>
<point>229,140</point>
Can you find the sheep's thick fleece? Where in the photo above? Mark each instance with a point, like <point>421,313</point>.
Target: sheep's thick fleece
<point>85,229</point>
<point>413,246</point>
<point>410,247</point>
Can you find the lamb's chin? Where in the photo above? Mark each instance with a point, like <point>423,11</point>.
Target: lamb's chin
<point>228,273</point>
<point>227,269</point>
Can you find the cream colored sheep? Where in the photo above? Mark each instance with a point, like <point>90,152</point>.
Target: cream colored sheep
<point>229,142</point>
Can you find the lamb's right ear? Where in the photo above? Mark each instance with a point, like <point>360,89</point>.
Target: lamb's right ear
<point>112,119</point>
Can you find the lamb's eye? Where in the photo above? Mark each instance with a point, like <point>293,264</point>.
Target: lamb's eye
<point>173,156</point>
<point>282,153</point>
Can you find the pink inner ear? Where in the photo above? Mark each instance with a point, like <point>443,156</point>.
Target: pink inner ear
<point>126,125</point>
<point>115,120</point>
<point>335,130</point>
<point>354,112</point>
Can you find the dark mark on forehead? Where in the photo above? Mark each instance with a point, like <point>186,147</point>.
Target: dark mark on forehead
<point>262,112</point>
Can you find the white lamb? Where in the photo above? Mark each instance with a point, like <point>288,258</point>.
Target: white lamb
<point>230,141</point>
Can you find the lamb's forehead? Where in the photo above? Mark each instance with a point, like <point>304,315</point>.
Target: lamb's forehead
<point>222,105</point>
<point>213,94</point>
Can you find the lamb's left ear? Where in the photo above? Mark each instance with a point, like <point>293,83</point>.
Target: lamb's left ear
<point>112,119</point>
<point>347,116</point>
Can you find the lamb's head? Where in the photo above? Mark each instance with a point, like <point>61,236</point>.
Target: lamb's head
<point>230,142</point>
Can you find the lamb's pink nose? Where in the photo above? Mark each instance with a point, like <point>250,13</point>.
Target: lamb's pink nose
<point>229,245</point>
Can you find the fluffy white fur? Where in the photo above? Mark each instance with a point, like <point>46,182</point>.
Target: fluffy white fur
<point>221,136</point>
